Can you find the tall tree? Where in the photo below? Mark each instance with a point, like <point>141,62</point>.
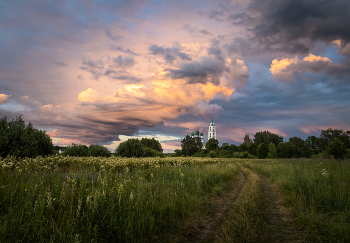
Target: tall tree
<point>212,144</point>
<point>247,141</point>
<point>152,143</point>
<point>337,149</point>
<point>262,151</point>
<point>267,137</point>
<point>191,145</point>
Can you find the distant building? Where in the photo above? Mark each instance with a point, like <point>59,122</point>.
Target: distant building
<point>212,130</point>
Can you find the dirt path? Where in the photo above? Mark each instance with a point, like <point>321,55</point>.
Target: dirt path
<point>279,220</point>
<point>221,206</point>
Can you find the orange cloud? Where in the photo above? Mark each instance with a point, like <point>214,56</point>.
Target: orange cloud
<point>4,98</point>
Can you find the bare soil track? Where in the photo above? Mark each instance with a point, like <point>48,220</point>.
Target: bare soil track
<point>207,231</point>
<point>278,222</point>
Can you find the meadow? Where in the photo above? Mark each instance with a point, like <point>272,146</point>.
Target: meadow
<point>179,199</point>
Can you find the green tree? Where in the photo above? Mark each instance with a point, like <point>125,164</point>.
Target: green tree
<point>253,148</point>
<point>331,134</point>
<point>337,149</point>
<point>272,151</point>
<point>225,146</point>
<point>98,151</point>
<point>152,143</point>
<point>23,140</point>
<point>247,142</point>
<point>232,147</point>
<point>267,137</point>
<point>212,144</point>
<point>77,150</point>
<point>242,147</point>
<point>130,148</point>
<point>262,151</point>
<point>178,152</point>
<point>191,145</point>
<point>286,150</point>
<point>301,148</point>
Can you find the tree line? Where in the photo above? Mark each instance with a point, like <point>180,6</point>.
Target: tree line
<point>23,140</point>
<point>331,143</point>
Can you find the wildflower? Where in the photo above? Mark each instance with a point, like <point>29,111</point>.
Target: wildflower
<point>324,172</point>
<point>182,175</point>
<point>131,196</point>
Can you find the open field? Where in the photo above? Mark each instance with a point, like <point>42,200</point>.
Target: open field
<point>69,199</point>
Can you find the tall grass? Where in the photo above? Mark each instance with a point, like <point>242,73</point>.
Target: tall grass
<point>56,199</point>
<point>247,219</point>
<point>318,192</point>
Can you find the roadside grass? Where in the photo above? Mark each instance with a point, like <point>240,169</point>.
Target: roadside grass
<point>108,200</point>
<point>317,193</point>
<point>247,219</point>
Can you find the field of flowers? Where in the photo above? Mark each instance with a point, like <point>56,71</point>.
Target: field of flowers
<point>71,199</point>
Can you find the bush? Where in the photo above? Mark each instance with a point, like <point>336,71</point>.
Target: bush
<point>178,152</point>
<point>337,149</point>
<point>152,143</point>
<point>21,140</point>
<point>76,150</point>
<point>130,148</point>
<point>212,144</point>
<point>98,151</point>
<point>212,154</point>
<point>148,152</point>
<point>322,155</point>
<point>262,151</point>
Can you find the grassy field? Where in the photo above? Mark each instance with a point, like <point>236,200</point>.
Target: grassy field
<point>69,199</point>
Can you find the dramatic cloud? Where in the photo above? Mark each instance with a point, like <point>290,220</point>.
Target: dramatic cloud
<point>294,25</point>
<point>4,98</point>
<point>285,69</point>
<point>169,54</point>
<point>101,71</point>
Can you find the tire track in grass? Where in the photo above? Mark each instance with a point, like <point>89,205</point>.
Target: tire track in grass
<point>219,211</point>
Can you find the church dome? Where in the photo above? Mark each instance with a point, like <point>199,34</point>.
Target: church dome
<point>197,132</point>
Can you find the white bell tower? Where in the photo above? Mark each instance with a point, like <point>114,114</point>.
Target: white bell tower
<point>212,130</point>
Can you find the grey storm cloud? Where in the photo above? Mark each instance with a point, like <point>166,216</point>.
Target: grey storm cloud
<point>127,50</point>
<point>169,54</point>
<point>213,14</point>
<point>194,32</point>
<point>113,37</point>
<point>124,62</point>
<point>205,69</point>
<point>61,64</point>
<point>215,49</point>
<point>112,67</point>
<point>291,25</point>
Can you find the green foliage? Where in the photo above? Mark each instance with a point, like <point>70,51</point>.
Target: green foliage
<point>191,145</point>
<point>212,144</point>
<point>252,149</point>
<point>178,152</point>
<point>286,150</point>
<point>242,147</point>
<point>21,140</point>
<point>130,148</point>
<point>148,152</point>
<point>267,137</point>
<point>262,151</point>
<point>232,147</point>
<point>272,151</point>
<point>331,134</point>
<point>152,143</point>
<point>212,154</point>
<point>77,150</point>
<point>225,146</point>
<point>247,142</point>
<point>301,148</point>
<point>243,155</point>
<point>337,149</point>
<point>98,151</point>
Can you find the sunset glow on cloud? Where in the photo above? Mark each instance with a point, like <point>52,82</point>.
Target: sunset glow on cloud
<point>103,71</point>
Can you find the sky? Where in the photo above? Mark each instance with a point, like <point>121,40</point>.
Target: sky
<point>100,72</point>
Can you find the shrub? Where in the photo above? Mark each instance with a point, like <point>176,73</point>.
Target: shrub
<point>148,152</point>
<point>262,151</point>
<point>178,152</point>
<point>23,140</point>
<point>152,143</point>
<point>212,154</point>
<point>337,149</point>
<point>77,150</point>
<point>130,148</point>
<point>98,151</point>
